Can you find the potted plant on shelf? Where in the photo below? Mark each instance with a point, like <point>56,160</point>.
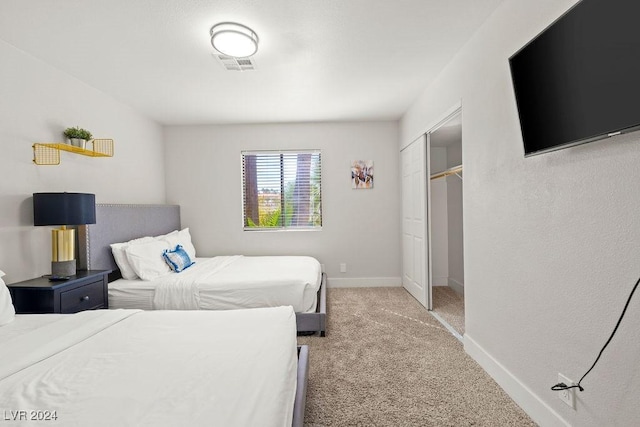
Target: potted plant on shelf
<point>78,137</point>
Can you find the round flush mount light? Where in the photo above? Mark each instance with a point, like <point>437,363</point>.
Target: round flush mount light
<point>232,39</point>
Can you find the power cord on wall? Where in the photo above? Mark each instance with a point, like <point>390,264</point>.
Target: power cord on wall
<point>563,386</point>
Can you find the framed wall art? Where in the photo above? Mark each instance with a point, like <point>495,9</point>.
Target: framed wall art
<point>362,174</point>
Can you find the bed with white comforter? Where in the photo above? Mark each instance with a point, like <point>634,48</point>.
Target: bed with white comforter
<point>149,368</point>
<point>132,242</point>
<point>224,283</point>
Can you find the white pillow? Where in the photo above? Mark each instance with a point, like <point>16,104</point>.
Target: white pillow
<point>146,259</point>
<point>182,238</point>
<point>118,250</point>
<point>7,312</point>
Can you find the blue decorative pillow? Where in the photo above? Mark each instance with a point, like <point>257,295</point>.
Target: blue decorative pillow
<point>178,259</point>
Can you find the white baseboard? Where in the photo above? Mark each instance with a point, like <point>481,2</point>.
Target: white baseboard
<point>456,286</point>
<point>439,281</point>
<point>539,411</point>
<point>363,282</point>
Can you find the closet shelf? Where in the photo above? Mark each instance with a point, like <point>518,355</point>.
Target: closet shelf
<point>456,170</point>
<point>48,153</point>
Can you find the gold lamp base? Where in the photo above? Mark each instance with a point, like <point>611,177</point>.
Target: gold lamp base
<point>63,255</point>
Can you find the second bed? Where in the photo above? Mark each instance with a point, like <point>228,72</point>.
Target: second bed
<point>217,283</point>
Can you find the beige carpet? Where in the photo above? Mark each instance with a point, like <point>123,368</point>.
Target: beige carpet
<point>387,362</point>
<point>450,306</point>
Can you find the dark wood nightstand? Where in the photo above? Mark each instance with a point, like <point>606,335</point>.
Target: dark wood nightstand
<point>87,290</point>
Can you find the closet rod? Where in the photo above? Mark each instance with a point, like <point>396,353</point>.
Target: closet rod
<point>451,171</point>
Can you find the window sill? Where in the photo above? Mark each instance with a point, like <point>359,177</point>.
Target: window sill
<point>281,230</point>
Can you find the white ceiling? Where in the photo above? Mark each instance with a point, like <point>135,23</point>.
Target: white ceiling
<point>318,60</point>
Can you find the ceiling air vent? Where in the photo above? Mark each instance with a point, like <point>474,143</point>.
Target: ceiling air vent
<point>235,64</point>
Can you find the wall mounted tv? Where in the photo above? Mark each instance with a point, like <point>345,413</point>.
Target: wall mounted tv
<point>579,80</point>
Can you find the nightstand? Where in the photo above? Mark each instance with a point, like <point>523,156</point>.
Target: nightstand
<point>87,290</point>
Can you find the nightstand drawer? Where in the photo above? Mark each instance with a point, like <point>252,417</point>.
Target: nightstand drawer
<point>85,297</point>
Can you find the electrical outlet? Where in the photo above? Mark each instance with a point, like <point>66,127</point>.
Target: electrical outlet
<point>568,396</point>
<point>343,268</point>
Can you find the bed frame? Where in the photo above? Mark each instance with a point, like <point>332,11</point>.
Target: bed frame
<point>117,223</point>
<point>301,386</point>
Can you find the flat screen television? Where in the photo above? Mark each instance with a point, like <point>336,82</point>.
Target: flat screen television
<point>579,80</point>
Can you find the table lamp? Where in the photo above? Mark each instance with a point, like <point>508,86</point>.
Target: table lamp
<point>63,209</point>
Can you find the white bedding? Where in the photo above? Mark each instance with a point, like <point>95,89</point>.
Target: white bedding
<point>155,368</point>
<point>226,282</point>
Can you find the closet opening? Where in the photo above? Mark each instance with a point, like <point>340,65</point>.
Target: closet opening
<point>445,225</point>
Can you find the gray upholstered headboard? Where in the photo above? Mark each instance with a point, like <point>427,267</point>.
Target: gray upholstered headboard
<point>121,223</point>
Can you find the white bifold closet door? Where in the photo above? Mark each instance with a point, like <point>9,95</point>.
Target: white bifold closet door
<point>414,221</point>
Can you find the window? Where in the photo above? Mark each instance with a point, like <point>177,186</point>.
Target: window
<point>281,190</point>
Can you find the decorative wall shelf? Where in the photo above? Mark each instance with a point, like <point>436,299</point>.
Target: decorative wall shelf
<point>48,153</point>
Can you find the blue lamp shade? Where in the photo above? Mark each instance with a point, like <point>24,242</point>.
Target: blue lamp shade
<point>64,208</point>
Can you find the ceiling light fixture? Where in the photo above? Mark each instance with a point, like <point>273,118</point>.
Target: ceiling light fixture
<point>232,39</point>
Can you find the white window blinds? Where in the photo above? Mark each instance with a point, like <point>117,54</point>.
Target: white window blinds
<point>281,190</point>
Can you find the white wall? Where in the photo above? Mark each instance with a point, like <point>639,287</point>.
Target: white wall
<point>551,242</point>
<point>38,102</point>
<point>455,215</point>
<point>360,227</point>
<point>455,232</point>
<point>439,219</point>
